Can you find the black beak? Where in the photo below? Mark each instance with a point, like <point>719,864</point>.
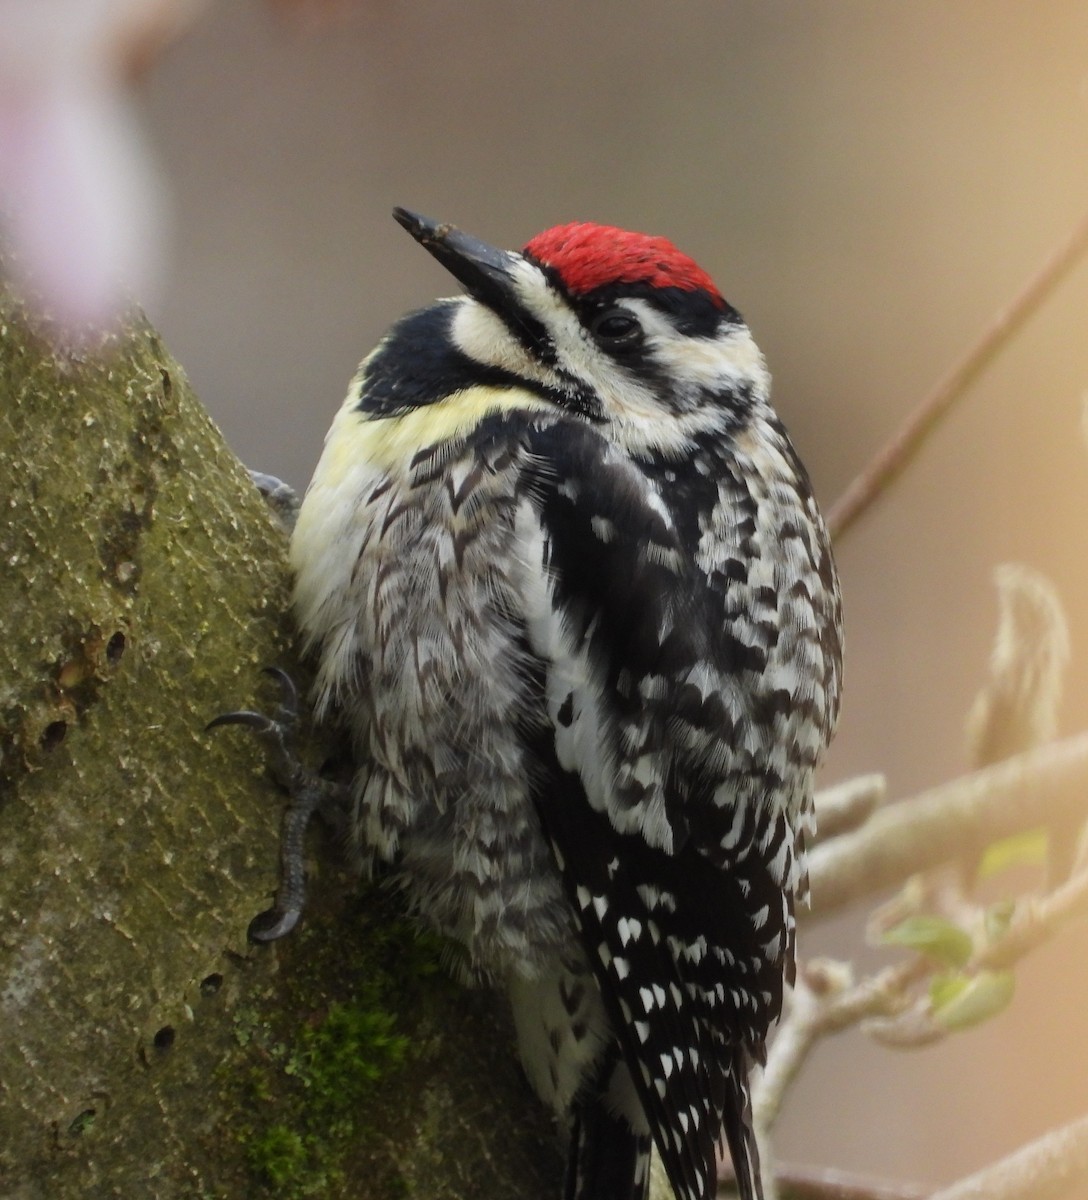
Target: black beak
<point>485,272</point>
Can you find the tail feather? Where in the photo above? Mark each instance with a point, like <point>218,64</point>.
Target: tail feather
<point>608,1159</point>
<point>740,1135</point>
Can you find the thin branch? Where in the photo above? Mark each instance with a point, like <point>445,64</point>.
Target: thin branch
<point>950,821</point>
<point>897,454</point>
<point>1021,791</point>
<point>1036,920</point>
<point>825,1000</point>
<point>819,1183</point>
<point>1053,1167</point>
<point>846,805</point>
<point>884,1004</point>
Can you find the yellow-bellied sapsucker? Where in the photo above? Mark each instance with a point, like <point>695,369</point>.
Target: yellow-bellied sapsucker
<point>569,591</point>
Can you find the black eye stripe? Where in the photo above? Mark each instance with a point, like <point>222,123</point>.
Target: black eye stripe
<point>693,313</point>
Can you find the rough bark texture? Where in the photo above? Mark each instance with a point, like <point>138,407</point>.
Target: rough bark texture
<point>145,1049</point>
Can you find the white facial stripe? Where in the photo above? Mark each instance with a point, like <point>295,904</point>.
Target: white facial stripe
<point>485,337</point>
<point>577,353</point>
<point>698,366</point>
<point>712,364</point>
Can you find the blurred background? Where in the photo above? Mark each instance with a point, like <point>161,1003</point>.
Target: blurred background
<point>869,182</point>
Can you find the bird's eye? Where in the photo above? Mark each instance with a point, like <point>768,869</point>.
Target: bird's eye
<point>616,327</point>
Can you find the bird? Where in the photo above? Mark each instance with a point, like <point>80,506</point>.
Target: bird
<point>568,591</point>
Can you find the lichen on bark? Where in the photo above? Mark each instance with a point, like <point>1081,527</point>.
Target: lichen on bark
<point>142,587</point>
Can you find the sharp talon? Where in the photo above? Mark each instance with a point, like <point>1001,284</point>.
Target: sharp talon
<point>308,792</point>
<point>272,924</point>
<point>254,720</point>
<point>288,691</point>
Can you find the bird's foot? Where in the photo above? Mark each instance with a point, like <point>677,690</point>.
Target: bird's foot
<point>309,793</point>
<point>280,497</point>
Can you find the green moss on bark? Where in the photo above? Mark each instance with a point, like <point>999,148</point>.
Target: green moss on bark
<point>148,1050</point>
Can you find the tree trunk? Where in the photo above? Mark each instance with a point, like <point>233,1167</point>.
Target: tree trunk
<point>145,1049</point>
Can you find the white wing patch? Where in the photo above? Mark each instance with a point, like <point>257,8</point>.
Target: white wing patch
<point>587,740</point>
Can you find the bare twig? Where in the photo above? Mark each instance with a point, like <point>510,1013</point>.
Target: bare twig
<point>1053,1167</point>
<point>949,821</point>
<point>933,828</point>
<point>906,1022</point>
<point>1036,920</point>
<point>847,805</point>
<point>819,1183</point>
<point>1017,706</point>
<point>898,453</point>
<point>825,1000</point>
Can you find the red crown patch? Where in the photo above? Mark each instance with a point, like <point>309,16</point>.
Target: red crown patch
<point>588,256</point>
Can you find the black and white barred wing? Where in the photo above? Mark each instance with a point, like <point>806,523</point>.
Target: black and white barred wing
<point>683,923</point>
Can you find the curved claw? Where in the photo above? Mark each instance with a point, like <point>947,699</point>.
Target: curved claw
<point>280,497</point>
<point>272,924</point>
<point>242,717</point>
<point>254,720</point>
<point>308,792</point>
<point>288,690</point>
